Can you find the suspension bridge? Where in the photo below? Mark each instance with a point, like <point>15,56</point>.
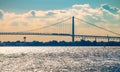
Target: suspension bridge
<point>72,34</point>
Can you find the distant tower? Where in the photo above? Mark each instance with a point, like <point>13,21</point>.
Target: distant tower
<point>73,29</point>
<point>24,39</point>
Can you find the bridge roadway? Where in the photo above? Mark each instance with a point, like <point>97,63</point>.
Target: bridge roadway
<point>56,34</point>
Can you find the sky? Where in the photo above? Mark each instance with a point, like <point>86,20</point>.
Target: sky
<point>23,15</point>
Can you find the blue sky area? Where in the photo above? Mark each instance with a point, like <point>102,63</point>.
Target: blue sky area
<point>31,14</point>
<point>19,6</point>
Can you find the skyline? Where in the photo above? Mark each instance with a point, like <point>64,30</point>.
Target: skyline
<point>23,15</point>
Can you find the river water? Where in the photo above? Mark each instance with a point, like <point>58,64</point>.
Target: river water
<point>60,59</point>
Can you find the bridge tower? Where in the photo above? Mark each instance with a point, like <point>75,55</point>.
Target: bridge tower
<point>73,29</point>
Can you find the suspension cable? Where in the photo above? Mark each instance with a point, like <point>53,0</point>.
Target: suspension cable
<point>47,26</point>
<point>98,26</point>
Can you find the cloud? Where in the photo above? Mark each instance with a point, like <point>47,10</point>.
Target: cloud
<point>1,14</point>
<point>39,18</point>
<point>50,14</point>
<point>111,9</point>
<point>78,6</point>
<point>19,24</point>
<point>33,13</point>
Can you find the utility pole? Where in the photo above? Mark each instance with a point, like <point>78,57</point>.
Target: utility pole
<point>73,29</point>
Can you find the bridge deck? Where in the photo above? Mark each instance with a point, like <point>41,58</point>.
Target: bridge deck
<point>92,36</point>
<point>56,34</point>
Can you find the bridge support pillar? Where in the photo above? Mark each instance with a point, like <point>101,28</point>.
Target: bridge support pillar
<point>108,38</point>
<point>83,38</point>
<point>95,39</point>
<point>73,29</point>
